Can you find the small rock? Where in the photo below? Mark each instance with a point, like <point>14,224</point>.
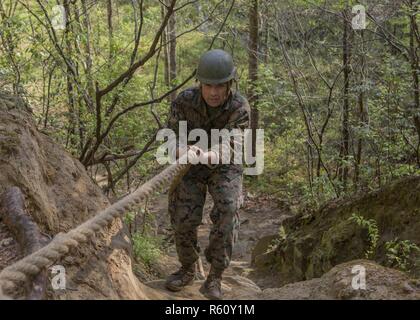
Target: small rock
<point>407,288</point>
<point>6,242</point>
<point>250,195</point>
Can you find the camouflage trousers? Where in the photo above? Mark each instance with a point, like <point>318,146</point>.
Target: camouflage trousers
<point>186,204</point>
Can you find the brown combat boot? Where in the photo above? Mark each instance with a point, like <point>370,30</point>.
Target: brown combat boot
<point>212,287</point>
<point>181,278</point>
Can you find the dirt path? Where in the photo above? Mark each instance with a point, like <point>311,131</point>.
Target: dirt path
<point>259,217</point>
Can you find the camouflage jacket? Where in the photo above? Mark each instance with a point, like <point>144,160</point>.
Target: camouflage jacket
<point>190,106</point>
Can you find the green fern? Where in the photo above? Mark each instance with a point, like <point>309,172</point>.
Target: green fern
<point>373,232</point>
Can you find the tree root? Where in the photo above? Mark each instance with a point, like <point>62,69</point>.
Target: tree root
<point>26,233</point>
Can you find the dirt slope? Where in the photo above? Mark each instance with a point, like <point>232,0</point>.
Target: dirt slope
<point>60,195</point>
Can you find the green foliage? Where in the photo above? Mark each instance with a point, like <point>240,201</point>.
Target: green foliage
<point>281,236</point>
<point>294,95</point>
<point>129,218</point>
<point>146,248</point>
<point>402,254</point>
<point>373,232</point>
<point>318,192</point>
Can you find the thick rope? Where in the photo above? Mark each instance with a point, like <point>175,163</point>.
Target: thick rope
<point>31,265</point>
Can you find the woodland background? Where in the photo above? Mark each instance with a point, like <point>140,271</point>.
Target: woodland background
<point>339,106</point>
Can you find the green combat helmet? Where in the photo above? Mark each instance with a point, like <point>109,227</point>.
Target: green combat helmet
<point>215,66</point>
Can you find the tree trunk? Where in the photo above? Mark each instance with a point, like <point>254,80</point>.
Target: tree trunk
<point>165,51</point>
<point>414,62</point>
<point>72,116</point>
<point>266,31</point>
<point>253,69</point>
<point>172,54</point>
<point>344,152</point>
<point>110,30</point>
<point>363,114</point>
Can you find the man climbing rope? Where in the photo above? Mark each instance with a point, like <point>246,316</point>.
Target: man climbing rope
<point>211,105</point>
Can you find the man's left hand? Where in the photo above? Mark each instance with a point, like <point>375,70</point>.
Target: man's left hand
<point>209,157</point>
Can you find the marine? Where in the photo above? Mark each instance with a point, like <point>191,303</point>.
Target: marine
<point>213,104</point>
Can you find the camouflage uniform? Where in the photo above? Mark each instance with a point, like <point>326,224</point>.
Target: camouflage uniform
<point>224,181</point>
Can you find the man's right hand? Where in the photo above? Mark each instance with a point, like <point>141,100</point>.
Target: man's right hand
<point>194,154</point>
